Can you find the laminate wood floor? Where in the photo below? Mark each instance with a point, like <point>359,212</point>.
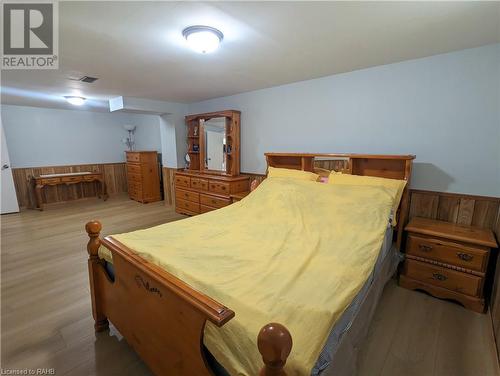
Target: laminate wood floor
<point>47,320</point>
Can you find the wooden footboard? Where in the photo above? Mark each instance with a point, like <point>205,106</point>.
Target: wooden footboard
<point>162,317</point>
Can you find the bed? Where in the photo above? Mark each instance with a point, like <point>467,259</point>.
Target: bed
<point>165,301</point>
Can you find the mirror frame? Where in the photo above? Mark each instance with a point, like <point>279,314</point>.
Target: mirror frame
<point>201,127</point>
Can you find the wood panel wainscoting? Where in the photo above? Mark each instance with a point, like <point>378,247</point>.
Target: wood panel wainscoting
<point>115,177</point>
<point>169,185</point>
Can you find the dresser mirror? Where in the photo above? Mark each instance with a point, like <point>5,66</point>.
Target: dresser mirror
<point>214,145</point>
<point>213,142</point>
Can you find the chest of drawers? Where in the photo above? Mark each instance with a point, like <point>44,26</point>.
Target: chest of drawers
<point>143,177</point>
<point>201,193</point>
<point>448,260</point>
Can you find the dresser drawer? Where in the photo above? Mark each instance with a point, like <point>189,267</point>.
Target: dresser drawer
<point>446,278</point>
<point>134,192</point>
<point>135,186</point>
<point>188,205</point>
<point>206,209</point>
<point>133,168</point>
<point>201,184</point>
<point>239,186</point>
<point>71,179</point>
<point>218,187</point>
<point>187,195</point>
<point>90,177</point>
<point>51,181</point>
<point>182,181</point>
<point>448,252</point>
<point>131,176</point>
<point>215,202</point>
<point>134,195</point>
<point>133,157</point>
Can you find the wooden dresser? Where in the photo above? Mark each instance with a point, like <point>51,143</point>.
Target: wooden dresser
<point>142,176</point>
<point>448,260</point>
<point>213,171</point>
<point>197,193</point>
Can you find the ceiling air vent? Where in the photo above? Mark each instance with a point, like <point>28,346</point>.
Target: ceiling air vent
<point>88,79</point>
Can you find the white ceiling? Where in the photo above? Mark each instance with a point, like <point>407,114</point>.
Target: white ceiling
<point>136,48</point>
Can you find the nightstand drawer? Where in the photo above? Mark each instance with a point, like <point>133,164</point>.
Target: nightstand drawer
<point>446,278</point>
<point>448,252</point>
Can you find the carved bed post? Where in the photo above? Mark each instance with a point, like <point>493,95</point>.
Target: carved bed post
<point>275,343</point>
<point>93,229</point>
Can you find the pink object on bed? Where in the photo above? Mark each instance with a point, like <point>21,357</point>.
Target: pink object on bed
<point>323,179</point>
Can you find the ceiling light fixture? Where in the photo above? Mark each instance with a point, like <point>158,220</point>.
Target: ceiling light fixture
<point>76,101</point>
<point>203,39</point>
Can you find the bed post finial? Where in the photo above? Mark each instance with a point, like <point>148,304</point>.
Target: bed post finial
<point>93,229</point>
<point>275,343</point>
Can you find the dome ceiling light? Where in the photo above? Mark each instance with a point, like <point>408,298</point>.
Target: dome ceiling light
<point>202,39</point>
<point>76,101</point>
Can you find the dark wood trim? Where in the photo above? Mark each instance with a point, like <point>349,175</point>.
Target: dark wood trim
<point>207,115</point>
<point>452,194</point>
<point>343,155</point>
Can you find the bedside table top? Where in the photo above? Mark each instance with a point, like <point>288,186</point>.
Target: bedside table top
<point>468,234</point>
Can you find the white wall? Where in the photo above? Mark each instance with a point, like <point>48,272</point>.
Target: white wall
<point>48,137</point>
<point>171,124</point>
<point>444,108</point>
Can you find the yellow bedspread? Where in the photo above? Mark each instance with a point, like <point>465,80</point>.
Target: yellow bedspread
<point>293,252</point>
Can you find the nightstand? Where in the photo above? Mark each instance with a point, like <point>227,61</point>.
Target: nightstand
<point>447,260</point>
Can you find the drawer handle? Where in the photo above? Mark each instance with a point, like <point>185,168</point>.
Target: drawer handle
<point>425,248</point>
<point>186,195</point>
<point>439,277</point>
<point>464,256</point>
<point>214,202</point>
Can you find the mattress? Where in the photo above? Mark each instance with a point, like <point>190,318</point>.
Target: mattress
<point>385,267</point>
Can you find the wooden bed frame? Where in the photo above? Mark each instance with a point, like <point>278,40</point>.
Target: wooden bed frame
<point>163,318</point>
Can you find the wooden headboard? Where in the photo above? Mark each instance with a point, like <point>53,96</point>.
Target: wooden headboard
<point>383,166</point>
